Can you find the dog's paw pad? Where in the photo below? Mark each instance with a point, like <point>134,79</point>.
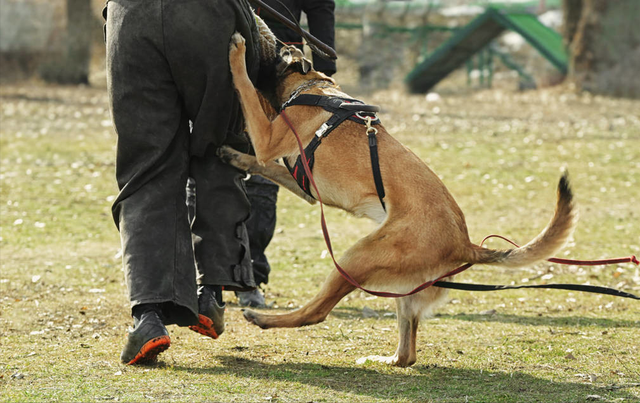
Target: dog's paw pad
<point>226,153</point>
<point>362,360</point>
<point>249,315</point>
<point>237,39</point>
<point>391,360</point>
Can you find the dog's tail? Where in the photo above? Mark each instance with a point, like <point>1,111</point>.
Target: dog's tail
<point>545,245</point>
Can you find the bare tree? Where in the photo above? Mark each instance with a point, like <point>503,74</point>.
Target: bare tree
<point>572,10</point>
<point>73,66</point>
<point>604,41</point>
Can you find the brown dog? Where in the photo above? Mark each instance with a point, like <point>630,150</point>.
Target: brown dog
<point>422,234</point>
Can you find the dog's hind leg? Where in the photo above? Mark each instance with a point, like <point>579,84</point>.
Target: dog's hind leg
<point>315,311</point>
<point>360,261</point>
<point>410,310</point>
<point>408,321</point>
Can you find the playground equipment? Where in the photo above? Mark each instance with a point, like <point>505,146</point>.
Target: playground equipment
<point>476,36</point>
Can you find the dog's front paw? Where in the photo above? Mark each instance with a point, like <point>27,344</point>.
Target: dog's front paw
<point>237,44</point>
<point>227,154</point>
<point>237,159</point>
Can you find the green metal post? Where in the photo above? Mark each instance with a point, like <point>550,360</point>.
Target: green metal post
<point>481,67</point>
<point>490,66</point>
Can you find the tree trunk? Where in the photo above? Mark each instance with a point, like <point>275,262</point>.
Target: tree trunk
<point>571,12</point>
<point>605,47</point>
<point>80,25</point>
<point>73,66</point>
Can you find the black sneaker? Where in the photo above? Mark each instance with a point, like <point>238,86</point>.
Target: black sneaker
<point>148,338</point>
<point>210,314</point>
<point>253,298</point>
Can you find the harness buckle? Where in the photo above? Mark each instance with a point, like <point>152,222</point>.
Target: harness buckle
<point>359,116</point>
<point>322,129</point>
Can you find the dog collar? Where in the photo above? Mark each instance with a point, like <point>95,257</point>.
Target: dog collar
<point>307,85</point>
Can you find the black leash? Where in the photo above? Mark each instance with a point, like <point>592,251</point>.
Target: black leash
<point>573,287</point>
<point>316,45</point>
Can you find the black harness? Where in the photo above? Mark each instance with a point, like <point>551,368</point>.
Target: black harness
<point>342,109</point>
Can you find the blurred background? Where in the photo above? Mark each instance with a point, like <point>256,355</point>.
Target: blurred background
<point>454,45</point>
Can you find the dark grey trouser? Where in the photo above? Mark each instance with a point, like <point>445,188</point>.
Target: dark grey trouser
<point>167,64</point>
<point>263,195</point>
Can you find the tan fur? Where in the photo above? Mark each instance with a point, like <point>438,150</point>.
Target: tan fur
<point>421,236</point>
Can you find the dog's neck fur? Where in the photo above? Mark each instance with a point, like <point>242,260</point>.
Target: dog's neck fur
<point>293,80</point>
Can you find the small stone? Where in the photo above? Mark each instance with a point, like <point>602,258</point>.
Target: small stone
<point>489,312</point>
<point>369,313</point>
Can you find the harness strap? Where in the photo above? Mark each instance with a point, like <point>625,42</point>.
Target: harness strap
<point>336,105</point>
<point>375,166</point>
<point>342,109</point>
<point>297,170</point>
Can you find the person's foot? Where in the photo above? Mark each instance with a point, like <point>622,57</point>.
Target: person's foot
<point>148,338</point>
<point>210,313</point>
<point>253,298</point>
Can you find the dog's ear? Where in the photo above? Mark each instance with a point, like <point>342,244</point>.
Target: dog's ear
<point>305,65</point>
<point>291,55</point>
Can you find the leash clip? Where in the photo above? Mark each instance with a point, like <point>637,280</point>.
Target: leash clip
<point>370,129</point>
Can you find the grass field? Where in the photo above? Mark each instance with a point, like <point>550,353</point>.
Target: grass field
<point>64,313</point>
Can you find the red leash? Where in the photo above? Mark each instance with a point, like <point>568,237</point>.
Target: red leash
<point>353,282</point>
<point>630,259</point>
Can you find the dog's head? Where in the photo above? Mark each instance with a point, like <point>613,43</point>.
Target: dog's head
<point>292,59</point>
<point>276,67</point>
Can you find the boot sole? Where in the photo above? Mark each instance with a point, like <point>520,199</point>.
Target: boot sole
<point>150,350</point>
<point>205,327</point>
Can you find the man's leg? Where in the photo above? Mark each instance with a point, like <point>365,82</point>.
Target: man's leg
<point>220,238</point>
<point>196,43</point>
<point>151,171</point>
<point>263,195</point>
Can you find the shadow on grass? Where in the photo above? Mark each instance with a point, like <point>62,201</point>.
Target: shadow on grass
<point>575,321</point>
<point>352,313</point>
<point>431,382</point>
<point>356,313</point>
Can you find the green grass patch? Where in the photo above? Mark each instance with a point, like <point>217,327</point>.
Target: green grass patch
<point>64,312</point>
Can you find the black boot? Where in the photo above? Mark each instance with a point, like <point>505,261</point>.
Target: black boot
<point>148,338</point>
<point>210,311</point>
